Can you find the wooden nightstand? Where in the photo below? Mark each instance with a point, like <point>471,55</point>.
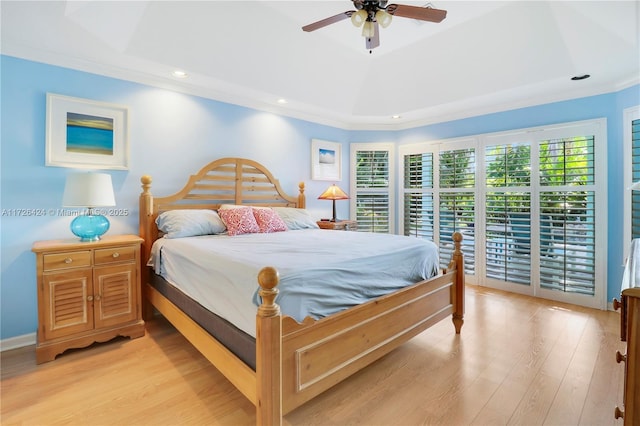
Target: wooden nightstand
<point>87,292</point>
<point>342,225</point>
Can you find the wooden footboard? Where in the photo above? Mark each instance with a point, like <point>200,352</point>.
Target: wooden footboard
<point>316,355</point>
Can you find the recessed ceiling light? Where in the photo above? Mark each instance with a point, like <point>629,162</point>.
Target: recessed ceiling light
<point>395,117</point>
<point>580,77</point>
<point>282,101</point>
<point>179,74</point>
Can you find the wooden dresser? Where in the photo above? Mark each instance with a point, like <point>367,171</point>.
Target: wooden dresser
<point>87,292</point>
<point>629,306</point>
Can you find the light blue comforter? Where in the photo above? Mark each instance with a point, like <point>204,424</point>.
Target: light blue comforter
<point>321,271</point>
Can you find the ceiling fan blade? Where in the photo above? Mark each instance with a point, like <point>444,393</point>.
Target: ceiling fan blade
<point>328,21</point>
<point>415,12</point>
<point>373,42</point>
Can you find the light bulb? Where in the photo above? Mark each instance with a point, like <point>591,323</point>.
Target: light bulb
<point>358,18</point>
<point>383,18</point>
<point>368,30</point>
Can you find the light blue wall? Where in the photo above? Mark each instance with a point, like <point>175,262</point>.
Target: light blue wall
<point>172,134</point>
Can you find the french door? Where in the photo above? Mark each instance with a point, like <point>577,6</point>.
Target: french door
<point>530,204</point>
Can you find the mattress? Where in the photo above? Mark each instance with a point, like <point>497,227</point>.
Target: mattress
<point>321,272</point>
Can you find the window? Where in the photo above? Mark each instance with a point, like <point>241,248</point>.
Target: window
<point>444,178</point>
<point>456,202</point>
<point>418,195</point>
<point>635,176</point>
<point>371,197</point>
<point>567,215</point>
<point>530,204</point>
<point>508,212</point>
<point>631,129</point>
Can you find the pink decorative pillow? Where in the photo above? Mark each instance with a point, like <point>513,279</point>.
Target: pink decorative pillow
<point>268,220</point>
<point>239,220</point>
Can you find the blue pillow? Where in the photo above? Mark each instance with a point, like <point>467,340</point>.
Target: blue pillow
<point>190,223</point>
<point>296,218</point>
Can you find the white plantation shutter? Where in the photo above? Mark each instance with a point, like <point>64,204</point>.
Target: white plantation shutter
<point>530,203</point>
<point>635,177</point>
<point>567,215</point>
<point>418,195</point>
<point>371,198</point>
<point>456,205</point>
<point>508,236</point>
<point>508,212</point>
<point>631,155</point>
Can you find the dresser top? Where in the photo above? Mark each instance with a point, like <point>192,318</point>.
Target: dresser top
<point>75,243</point>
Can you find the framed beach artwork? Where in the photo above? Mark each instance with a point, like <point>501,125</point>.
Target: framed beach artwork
<point>325,160</point>
<point>86,134</point>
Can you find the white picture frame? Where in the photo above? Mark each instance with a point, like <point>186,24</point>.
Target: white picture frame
<point>86,134</point>
<point>326,160</point>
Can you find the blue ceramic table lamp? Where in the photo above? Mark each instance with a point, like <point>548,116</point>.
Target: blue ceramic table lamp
<point>89,190</point>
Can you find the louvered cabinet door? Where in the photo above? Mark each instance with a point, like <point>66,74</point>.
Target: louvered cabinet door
<point>115,297</point>
<point>67,303</point>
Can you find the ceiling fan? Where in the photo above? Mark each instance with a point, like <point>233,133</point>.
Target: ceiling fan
<point>370,14</point>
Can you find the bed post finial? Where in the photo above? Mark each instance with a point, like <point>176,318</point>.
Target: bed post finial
<point>146,183</point>
<point>302,199</point>
<point>269,351</point>
<point>457,241</point>
<point>457,261</point>
<point>268,279</point>
<point>146,202</point>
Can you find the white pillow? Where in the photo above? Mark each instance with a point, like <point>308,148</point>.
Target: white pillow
<point>296,218</point>
<point>190,223</point>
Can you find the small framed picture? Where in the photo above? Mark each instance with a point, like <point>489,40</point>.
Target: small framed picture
<point>86,134</point>
<point>326,161</point>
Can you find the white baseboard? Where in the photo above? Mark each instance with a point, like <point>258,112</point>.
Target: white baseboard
<point>17,342</point>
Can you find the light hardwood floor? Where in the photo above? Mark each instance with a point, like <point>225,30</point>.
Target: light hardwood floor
<point>519,361</point>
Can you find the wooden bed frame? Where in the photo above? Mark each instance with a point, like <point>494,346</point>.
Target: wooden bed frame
<point>295,361</point>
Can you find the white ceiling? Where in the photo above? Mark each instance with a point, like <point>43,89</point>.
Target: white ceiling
<point>484,57</point>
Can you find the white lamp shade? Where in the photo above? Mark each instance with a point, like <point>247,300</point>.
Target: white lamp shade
<point>88,190</point>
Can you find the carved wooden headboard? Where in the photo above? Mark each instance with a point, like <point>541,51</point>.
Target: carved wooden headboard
<point>223,181</point>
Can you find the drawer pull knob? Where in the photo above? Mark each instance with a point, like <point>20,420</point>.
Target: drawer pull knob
<point>620,358</point>
<point>116,255</point>
<point>90,298</point>
<point>616,304</point>
<point>619,413</point>
<point>98,297</point>
<point>68,260</point>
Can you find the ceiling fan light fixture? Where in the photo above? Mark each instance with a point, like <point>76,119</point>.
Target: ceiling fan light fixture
<point>383,18</point>
<point>358,18</point>
<point>368,29</point>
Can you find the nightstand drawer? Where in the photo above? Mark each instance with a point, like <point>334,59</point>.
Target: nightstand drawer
<point>72,259</point>
<point>115,255</point>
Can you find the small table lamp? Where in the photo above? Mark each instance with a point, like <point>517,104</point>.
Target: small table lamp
<point>333,193</point>
<point>89,190</point>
